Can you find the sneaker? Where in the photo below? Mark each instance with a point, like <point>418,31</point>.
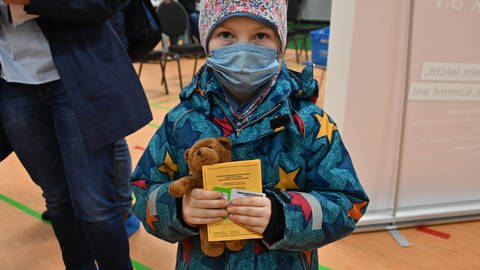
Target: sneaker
<point>132,224</point>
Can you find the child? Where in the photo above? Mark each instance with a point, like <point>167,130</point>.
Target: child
<point>245,93</point>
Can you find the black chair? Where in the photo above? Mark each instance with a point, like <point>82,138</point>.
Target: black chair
<point>292,34</point>
<point>155,56</point>
<point>175,23</point>
<point>297,30</point>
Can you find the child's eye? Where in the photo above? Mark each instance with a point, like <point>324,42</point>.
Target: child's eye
<point>261,36</point>
<point>225,35</point>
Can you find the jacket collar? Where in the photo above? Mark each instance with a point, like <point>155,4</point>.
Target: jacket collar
<point>205,89</point>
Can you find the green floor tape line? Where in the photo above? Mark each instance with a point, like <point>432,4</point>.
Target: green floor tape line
<point>35,214</point>
<point>139,266</point>
<point>23,208</point>
<point>165,101</point>
<point>153,125</point>
<point>160,107</point>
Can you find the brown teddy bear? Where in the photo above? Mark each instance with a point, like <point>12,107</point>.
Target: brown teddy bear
<point>205,152</point>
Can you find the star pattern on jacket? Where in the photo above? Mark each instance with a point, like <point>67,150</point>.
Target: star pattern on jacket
<point>200,90</point>
<point>308,256</point>
<point>326,127</point>
<point>187,246</point>
<point>299,200</point>
<point>141,183</point>
<point>150,218</point>
<point>168,166</point>
<point>356,211</point>
<point>287,180</point>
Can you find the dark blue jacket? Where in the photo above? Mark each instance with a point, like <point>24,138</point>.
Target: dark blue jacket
<point>99,78</point>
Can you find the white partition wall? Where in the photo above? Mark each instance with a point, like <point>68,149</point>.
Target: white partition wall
<point>404,88</point>
<point>440,172</point>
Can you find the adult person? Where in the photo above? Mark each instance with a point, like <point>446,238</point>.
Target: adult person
<point>191,8</point>
<point>122,163</point>
<point>68,92</point>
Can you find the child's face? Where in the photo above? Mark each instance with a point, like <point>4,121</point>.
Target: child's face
<point>237,30</point>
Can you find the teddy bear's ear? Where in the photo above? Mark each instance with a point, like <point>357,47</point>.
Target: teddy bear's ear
<point>185,154</point>
<point>225,142</point>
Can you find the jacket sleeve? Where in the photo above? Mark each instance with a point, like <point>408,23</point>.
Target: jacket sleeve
<point>158,166</point>
<point>86,11</point>
<point>333,199</point>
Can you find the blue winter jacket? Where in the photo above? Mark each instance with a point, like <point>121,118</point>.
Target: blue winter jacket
<point>106,94</point>
<point>306,170</point>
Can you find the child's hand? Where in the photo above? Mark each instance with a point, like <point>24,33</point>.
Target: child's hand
<point>253,213</point>
<point>203,207</point>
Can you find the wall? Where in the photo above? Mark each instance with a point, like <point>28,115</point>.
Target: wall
<point>413,166</point>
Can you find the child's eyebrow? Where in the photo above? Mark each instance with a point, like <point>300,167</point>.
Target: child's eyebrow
<point>222,28</point>
<point>262,28</point>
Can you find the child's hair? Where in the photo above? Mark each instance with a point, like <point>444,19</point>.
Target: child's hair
<point>271,12</point>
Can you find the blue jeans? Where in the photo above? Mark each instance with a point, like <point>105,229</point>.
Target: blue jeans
<point>122,169</point>
<point>194,17</point>
<point>77,186</point>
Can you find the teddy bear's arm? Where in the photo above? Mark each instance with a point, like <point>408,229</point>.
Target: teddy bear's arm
<point>182,186</point>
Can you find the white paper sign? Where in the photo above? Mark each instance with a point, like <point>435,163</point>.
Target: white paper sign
<point>454,72</point>
<point>444,91</point>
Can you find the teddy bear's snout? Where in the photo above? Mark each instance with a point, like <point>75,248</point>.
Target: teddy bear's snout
<point>206,155</point>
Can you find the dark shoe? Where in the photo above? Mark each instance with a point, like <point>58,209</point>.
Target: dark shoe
<point>45,215</point>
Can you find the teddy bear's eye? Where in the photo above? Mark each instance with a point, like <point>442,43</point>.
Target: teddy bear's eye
<point>211,147</point>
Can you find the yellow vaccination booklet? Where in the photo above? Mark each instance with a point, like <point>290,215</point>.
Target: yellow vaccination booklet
<point>233,179</point>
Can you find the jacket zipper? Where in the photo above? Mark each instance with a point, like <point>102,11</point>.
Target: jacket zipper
<point>264,115</point>
<point>239,130</point>
<point>296,112</point>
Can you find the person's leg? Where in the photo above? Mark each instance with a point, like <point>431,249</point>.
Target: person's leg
<point>173,40</point>
<point>122,169</point>
<point>90,181</point>
<point>27,121</point>
<point>194,25</point>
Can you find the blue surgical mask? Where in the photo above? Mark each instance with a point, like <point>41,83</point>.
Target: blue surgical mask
<point>243,68</point>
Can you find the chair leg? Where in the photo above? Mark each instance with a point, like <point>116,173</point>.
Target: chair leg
<point>163,66</point>
<point>179,73</point>
<point>297,55</point>
<point>195,65</point>
<point>140,69</point>
<point>305,47</point>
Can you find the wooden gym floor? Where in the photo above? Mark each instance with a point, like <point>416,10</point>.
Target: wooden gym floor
<point>28,243</point>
